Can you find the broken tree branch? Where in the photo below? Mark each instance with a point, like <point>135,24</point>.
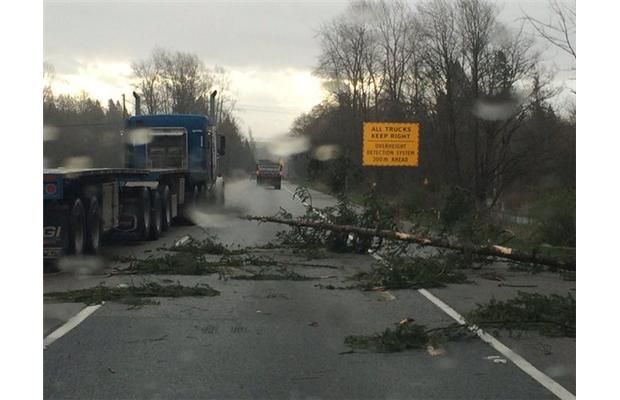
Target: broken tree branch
<point>488,250</point>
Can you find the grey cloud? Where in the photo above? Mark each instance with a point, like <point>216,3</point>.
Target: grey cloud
<point>225,33</point>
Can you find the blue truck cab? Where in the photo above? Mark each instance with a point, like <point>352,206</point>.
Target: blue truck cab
<point>169,141</point>
<point>175,142</point>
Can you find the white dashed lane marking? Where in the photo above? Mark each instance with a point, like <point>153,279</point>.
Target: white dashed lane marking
<point>70,324</point>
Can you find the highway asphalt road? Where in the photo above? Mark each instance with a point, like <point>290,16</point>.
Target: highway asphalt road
<point>282,339</point>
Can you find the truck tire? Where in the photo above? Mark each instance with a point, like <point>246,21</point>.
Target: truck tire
<point>202,195</point>
<point>76,235</point>
<point>166,208</point>
<point>143,214</point>
<point>195,196</point>
<point>93,226</point>
<point>156,215</point>
<point>191,199</point>
<point>218,191</point>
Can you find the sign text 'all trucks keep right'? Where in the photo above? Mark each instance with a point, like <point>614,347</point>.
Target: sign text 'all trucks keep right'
<point>390,144</point>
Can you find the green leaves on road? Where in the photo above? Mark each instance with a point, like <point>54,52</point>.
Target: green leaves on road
<point>411,273</point>
<point>407,336</point>
<point>550,315</point>
<point>130,294</point>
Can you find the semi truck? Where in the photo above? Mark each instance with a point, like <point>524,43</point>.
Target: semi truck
<point>171,164</point>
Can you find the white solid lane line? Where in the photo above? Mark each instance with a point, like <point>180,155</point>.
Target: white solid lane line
<point>294,197</point>
<point>70,324</point>
<point>519,361</point>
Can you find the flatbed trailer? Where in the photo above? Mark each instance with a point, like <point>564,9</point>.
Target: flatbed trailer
<point>165,176</point>
<point>83,205</point>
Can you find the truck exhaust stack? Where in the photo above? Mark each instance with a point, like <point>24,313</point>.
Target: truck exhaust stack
<point>137,97</point>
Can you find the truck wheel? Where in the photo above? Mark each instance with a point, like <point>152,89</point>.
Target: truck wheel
<point>144,214</point>
<point>191,199</point>
<point>166,208</point>
<point>77,221</point>
<point>202,195</point>
<point>156,215</point>
<point>195,196</point>
<point>221,199</point>
<point>93,226</point>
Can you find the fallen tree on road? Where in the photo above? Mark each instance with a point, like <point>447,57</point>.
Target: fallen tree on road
<point>482,250</point>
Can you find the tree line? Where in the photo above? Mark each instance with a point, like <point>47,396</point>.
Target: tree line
<point>475,85</point>
<point>79,128</point>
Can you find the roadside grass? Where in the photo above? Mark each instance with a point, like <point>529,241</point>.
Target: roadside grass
<point>131,294</point>
<point>526,238</point>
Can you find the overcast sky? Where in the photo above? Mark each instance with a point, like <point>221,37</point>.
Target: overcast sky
<point>269,48</point>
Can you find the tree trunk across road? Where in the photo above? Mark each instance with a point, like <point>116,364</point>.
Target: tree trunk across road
<point>488,250</point>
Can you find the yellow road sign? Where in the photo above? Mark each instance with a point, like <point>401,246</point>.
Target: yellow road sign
<point>390,144</point>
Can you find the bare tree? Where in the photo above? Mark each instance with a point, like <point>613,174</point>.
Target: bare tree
<point>560,29</point>
<point>185,79</point>
<point>347,57</point>
<point>502,112</point>
<point>350,59</point>
<point>226,102</point>
<point>48,79</point>
<point>149,84</point>
<point>476,23</point>
<point>441,54</point>
<point>180,82</point>
<point>398,39</point>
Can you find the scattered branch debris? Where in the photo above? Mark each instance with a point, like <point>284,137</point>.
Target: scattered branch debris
<point>550,315</point>
<point>135,303</point>
<point>569,276</point>
<point>406,336</point>
<point>516,286</point>
<point>332,287</point>
<point>130,294</point>
<point>280,274</point>
<point>180,263</point>
<point>411,273</point>
<point>208,245</point>
<point>195,257</point>
<point>492,276</point>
